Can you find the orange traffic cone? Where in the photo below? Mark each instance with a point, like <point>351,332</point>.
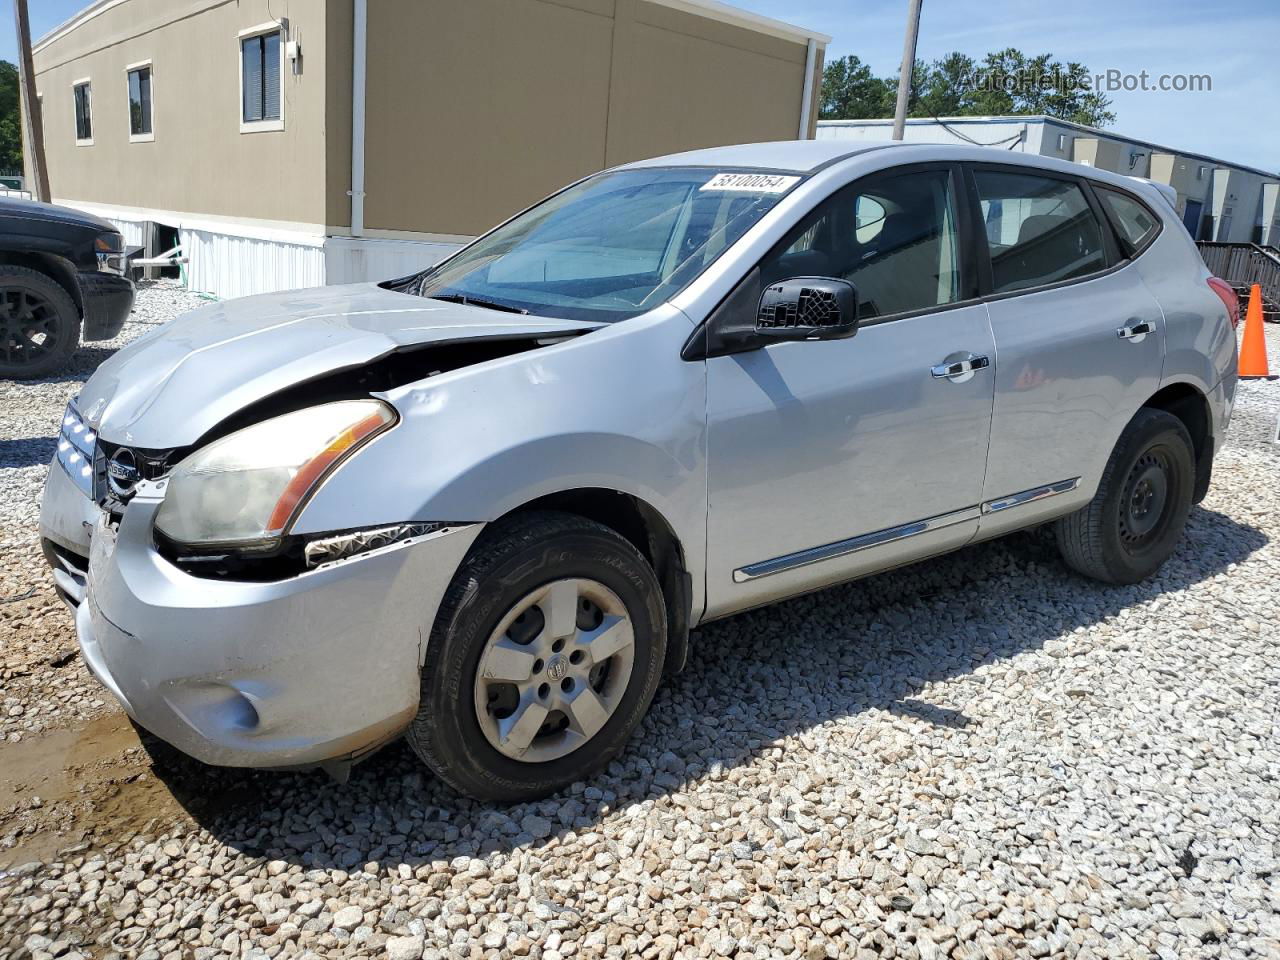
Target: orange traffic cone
<point>1253,349</point>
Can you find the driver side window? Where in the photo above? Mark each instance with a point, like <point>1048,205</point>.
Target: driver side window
<point>894,238</point>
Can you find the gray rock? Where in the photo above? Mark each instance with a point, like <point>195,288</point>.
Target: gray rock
<point>348,918</point>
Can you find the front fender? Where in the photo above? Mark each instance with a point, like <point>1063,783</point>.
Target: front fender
<point>500,483</point>
<point>617,409</point>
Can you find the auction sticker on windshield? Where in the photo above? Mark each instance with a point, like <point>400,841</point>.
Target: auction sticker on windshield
<point>751,182</point>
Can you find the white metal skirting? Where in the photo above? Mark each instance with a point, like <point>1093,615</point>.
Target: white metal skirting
<point>349,260</point>
<point>230,266</point>
<point>227,264</point>
<point>132,231</point>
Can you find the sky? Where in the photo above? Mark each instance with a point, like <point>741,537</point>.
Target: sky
<point>1234,43</point>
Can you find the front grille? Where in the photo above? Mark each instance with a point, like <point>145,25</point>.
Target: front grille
<point>113,486</point>
<point>93,463</point>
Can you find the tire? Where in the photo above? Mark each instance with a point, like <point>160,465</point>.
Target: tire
<point>458,731</point>
<point>39,324</point>
<point>1136,518</point>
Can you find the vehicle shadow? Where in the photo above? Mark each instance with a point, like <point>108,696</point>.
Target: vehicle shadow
<point>751,680</point>
<point>81,366</point>
<point>27,451</point>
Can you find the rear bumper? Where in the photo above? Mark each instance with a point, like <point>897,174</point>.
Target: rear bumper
<point>108,298</point>
<point>1222,400</point>
<point>318,668</point>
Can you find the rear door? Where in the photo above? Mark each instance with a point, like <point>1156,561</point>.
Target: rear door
<point>1079,341</point>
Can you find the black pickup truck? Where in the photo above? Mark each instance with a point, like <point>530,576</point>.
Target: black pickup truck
<point>62,279</point>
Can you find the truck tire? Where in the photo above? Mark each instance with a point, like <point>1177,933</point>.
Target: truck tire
<point>545,654</point>
<point>1136,518</point>
<point>39,324</point>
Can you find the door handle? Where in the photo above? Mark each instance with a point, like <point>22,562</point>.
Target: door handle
<point>959,370</point>
<point>1135,331</point>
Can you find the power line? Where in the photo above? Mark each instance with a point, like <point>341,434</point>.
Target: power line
<point>977,143</point>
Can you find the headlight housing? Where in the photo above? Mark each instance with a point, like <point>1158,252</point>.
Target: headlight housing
<point>76,449</point>
<point>246,489</point>
<point>109,250</point>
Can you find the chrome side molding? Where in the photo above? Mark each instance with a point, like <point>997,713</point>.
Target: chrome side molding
<point>841,548</point>
<point>1030,496</point>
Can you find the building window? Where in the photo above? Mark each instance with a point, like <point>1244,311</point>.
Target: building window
<point>1200,171</point>
<point>140,102</point>
<point>1062,142</point>
<point>260,80</point>
<point>83,92</point>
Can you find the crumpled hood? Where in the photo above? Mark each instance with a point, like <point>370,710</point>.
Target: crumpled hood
<point>169,387</point>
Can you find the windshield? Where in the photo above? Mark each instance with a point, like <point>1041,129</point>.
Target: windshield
<point>610,247</point>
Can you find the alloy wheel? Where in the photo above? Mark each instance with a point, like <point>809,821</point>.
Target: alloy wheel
<point>554,670</point>
<point>28,326</point>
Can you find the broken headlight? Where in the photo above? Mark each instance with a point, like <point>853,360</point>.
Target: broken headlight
<point>246,489</point>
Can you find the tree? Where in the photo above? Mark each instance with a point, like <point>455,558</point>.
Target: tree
<point>1008,82</point>
<point>1004,83</point>
<point>943,88</point>
<point>1081,104</point>
<point>10,119</point>
<point>851,92</point>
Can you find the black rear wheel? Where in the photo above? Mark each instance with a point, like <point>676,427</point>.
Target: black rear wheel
<point>39,324</point>
<point>1135,519</point>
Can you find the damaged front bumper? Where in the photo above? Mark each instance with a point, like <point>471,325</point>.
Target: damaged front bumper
<point>315,670</point>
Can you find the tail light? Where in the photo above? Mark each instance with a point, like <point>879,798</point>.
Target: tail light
<point>1228,297</point>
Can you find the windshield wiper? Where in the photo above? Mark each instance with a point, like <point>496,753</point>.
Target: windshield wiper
<point>478,302</point>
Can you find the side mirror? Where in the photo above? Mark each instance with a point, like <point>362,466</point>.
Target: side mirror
<point>808,308</point>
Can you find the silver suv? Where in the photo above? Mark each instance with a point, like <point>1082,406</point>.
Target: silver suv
<point>484,505</point>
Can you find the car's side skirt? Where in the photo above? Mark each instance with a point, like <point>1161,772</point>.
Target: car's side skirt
<point>866,541</point>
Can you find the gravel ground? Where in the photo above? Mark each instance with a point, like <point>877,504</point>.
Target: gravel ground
<point>979,756</point>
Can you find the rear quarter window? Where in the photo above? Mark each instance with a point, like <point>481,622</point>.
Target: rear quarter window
<point>1134,221</point>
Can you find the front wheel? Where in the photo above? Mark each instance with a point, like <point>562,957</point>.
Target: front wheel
<point>546,652</point>
<point>1134,521</point>
<point>39,324</point>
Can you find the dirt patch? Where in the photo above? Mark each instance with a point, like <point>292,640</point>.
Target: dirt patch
<point>91,784</point>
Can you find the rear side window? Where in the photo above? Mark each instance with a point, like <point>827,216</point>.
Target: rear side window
<point>1040,230</point>
<point>1137,224</point>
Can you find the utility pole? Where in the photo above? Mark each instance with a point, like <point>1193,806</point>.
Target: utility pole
<point>31,104</point>
<point>907,69</point>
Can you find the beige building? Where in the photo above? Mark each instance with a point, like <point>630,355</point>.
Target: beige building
<point>1217,199</point>
<point>361,139</point>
